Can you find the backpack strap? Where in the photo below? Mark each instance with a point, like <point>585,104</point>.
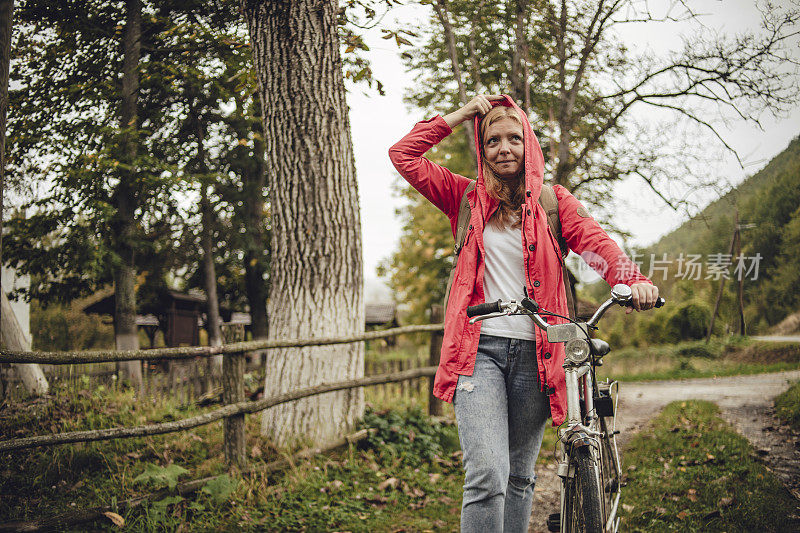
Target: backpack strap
<point>549,202</point>
<point>464,214</point>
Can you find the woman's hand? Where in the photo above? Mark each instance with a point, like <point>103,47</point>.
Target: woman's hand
<point>644,296</point>
<point>480,105</point>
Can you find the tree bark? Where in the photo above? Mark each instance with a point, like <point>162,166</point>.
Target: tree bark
<point>316,278</point>
<point>255,267</point>
<point>124,199</point>
<point>14,338</point>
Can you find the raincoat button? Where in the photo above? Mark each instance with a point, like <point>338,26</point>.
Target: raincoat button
<point>529,212</point>
<point>536,283</point>
<point>548,355</point>
<point>470,226</point>
<point>531,247</point>
<point>527,193</point>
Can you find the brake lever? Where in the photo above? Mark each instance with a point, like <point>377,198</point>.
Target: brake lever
<point>490,315</point>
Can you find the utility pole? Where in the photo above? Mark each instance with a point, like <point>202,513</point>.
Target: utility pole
<point>737,245</point>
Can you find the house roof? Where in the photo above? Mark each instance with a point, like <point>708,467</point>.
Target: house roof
<point>379,313</point>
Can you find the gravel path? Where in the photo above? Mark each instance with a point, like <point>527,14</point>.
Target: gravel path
<point>745,401</point>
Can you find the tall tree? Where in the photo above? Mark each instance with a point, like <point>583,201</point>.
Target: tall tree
<point>124,197</point>
<point>564,63</point>
<point>586,88</point>
<point>316,265</point>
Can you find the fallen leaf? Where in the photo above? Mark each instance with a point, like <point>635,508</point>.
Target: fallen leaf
<point>255,451</point>
<point>114,517</point>
<point>682,515</point>
<point>392,482</point>
<point>433,478</point>
<point>725,502</point>
<point>627,507</point>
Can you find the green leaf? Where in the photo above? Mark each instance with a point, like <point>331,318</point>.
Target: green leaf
<point>220,488</point>
<point>160,476</point>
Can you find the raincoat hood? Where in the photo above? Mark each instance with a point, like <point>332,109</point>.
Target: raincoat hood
<point>534,161</point>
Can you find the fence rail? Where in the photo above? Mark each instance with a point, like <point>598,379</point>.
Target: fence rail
<point>233,386</point>
<point>188,352</point>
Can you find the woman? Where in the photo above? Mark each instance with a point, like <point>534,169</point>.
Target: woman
<point>502,375</point>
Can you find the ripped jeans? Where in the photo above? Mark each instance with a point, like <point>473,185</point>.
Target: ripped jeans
<point>501,415</point>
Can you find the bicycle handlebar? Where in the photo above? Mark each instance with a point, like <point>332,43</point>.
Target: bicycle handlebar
<point>529,307</point>
<point>483,309</point>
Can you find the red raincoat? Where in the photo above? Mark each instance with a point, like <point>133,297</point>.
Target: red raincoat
<point>541,253</point>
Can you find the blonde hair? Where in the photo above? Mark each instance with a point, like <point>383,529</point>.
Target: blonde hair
<point>510,193</point>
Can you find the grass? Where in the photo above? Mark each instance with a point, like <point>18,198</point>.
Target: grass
<point>696,359</point>
<point>408,476</point>
<point>691,472</point>
<point>787,406</point>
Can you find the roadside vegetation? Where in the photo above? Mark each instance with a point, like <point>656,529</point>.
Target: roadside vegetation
<point>694,359</point>
<point>691,472</point>
<point>787,406</point>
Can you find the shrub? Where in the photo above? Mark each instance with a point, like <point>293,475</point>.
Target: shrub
<point>411,436</point>
<point>697,350</point>
<point>688,321</point>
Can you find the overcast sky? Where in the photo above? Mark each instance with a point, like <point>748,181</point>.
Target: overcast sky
<point>377,122</point>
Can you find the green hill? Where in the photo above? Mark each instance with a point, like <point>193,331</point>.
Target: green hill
<point>769,200</point>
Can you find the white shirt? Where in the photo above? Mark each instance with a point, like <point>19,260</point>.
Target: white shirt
<point>504,279</point>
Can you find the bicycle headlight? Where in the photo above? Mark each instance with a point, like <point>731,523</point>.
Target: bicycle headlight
<point>577,351</point>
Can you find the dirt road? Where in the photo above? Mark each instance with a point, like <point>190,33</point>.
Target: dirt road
<point>745,401</point>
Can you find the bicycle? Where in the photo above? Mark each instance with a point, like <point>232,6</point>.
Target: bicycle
<point>589,463</point>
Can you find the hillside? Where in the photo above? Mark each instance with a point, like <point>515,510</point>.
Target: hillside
<point>712,227</point>
<point>769,200</point>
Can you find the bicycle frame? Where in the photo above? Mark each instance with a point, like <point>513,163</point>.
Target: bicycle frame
<point>584,428</point>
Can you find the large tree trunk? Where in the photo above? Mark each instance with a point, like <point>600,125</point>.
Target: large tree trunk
<point>124,199</point>
<point>255,266</point>
<point>316,270</point>
<point>14,338</point>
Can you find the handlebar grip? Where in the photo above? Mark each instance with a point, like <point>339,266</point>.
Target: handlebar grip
<point>483,309</point>
<point>659,303</point>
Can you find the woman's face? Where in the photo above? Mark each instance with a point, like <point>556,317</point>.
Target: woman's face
<point>503,147</point>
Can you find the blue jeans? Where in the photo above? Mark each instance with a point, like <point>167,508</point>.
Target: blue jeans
<point>501,415</point>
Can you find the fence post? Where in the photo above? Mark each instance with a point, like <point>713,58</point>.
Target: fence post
<point>437,317</point>
<point>233,392</point>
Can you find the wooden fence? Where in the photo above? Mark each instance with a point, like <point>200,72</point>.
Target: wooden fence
<point>235,404</point>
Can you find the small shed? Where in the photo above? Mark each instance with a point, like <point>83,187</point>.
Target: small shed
<point>180,317</point>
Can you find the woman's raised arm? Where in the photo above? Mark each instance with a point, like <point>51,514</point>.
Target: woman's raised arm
<point>438,184</point>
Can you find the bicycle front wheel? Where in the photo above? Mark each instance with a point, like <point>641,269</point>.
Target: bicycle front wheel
<point>582,498</point>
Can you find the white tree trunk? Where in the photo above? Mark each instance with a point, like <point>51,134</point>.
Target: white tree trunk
<point>14,338</point>
<point>316,267</point>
